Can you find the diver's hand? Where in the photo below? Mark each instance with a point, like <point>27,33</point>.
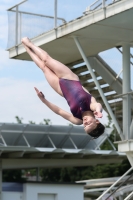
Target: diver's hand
<point>98,114</point>
<point>39,94</point>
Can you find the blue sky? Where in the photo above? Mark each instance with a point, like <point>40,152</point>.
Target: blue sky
<point>18,78</point>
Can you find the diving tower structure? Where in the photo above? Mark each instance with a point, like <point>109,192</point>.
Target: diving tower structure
<point>81,40</point>
<point>77,44</point>
<point>25,146</point>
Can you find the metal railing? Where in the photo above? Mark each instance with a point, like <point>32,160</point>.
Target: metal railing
<point>22,22</point>
<point>129,196</point>
<point>99,4</point>
<point>112,186</point>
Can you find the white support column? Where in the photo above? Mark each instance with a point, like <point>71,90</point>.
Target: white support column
<point>16,31</point>
<point>103,3</point>
<point>55,13</point>
<point>0,179</point>
<point>126,89</point>
<point>131,130</point>
<point>98,87</point>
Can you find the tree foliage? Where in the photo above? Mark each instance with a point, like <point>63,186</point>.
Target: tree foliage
<point>12,176</point>
<point>72,174</point>
<point>19,120</point>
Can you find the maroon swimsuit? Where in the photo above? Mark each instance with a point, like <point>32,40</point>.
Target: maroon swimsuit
<point>78,100</point>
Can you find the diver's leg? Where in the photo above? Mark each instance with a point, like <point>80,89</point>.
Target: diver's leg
<point>51,77</point>
<point>57,67</point>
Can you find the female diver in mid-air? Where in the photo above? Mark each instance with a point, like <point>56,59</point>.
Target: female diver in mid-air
<point>84,107</point>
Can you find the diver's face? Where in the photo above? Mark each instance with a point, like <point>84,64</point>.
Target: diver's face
<point>90,123</point>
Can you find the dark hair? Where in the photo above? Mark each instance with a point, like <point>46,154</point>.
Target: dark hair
<point>99,130</point>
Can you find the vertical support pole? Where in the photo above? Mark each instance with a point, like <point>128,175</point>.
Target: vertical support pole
<point>37,173</point>
<point>0,179</point>
<point>16,35</point>
<point>120,197</point>
<point>98,87</point>
<point>20,27</point>
<point>131,130</point>
<point>55,13</point>
<point>126,89</point>
<point>104,8</point>
<point>103,3</point>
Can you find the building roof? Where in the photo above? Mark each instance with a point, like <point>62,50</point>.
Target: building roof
<point>28,145</point>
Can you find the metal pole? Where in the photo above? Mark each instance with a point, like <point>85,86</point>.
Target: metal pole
<point>126,89</point>
<point>16,5</point>
<point>98,87</point>
<point>0,179</point>
<point>129,196</point>
<point>47,16</point>
<point>114,184</point>
<point>20,27</point>
<point>38,174</point>
<point>131,130</point>
<point>55,13</point>
<point>16,35</point>
<point>120,197</point>
<point>103,3</point>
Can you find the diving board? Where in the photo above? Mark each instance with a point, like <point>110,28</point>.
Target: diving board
<point>97,31</point>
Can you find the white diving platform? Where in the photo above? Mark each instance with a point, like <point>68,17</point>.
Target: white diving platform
<point>97,31</point>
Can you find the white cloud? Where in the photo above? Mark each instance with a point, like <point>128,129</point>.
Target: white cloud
<point>4,58</point>
<point>19,98</point>
<point>6,62</point>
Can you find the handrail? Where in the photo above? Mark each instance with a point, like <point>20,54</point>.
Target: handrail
<point>119,186</point>
<point>15,9</point>
<point>121,95</point>
<point>89,7</point>
<point>101,3</point>
<point>16,5</point>
<point>128,197</point>
<point>114,184</point>
<point>40,15</point>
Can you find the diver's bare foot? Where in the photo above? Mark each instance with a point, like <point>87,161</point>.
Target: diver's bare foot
<point>25,40</point>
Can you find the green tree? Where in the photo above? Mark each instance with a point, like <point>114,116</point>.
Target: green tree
<point>46,122</point>
<point>31,122</point>
<point>12,176</point>
<point>19,120</point>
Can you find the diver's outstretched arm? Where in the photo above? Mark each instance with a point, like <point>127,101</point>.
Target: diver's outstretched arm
<point>58,110</point>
